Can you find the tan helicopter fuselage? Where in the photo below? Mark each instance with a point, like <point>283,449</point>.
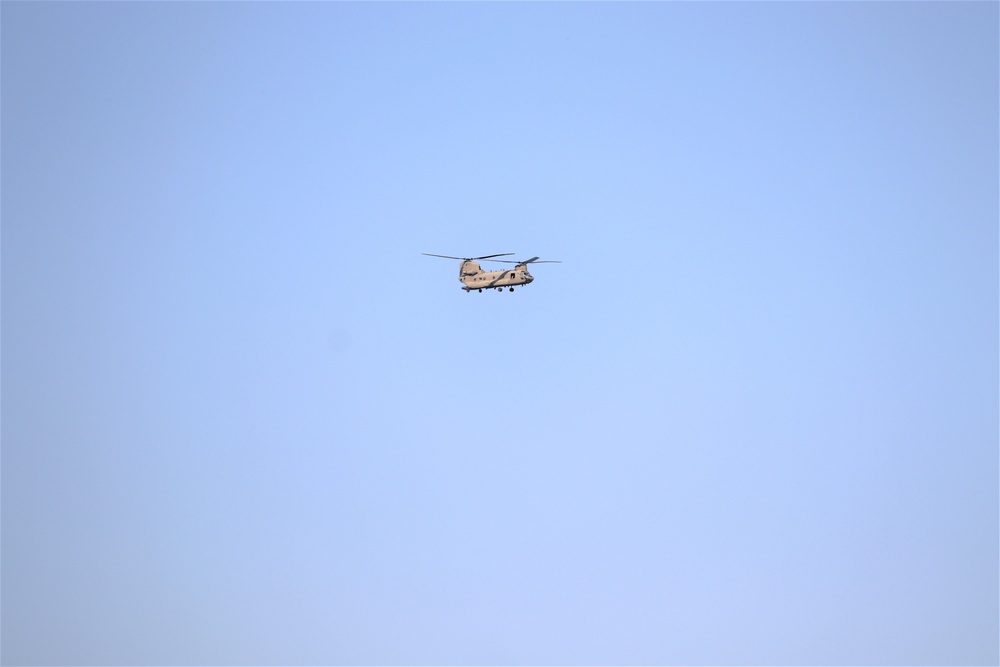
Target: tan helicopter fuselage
<point>474,278</point>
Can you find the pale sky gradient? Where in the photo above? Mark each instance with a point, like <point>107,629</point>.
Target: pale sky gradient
<point>751,419</point>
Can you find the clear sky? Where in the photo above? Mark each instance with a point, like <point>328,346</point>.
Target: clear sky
<point>752,418</point>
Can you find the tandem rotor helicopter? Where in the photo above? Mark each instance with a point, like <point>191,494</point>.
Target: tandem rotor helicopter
<point>474,278</point>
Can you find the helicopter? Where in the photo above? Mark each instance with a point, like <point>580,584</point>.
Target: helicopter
<point>474,278</point>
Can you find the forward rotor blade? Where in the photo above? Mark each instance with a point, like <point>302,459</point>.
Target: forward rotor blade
<point>533,260</point>
<point>503,254</point>
<point>444,256</point>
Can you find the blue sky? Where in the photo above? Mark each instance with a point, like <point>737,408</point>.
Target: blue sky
<point>752,418</point>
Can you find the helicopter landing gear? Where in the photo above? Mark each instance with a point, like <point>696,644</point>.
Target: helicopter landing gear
<point>511,289</point>
<point>480,290</point>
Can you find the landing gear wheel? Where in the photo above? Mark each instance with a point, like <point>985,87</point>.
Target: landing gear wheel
<point>480,290</point>
<point>511,289</point>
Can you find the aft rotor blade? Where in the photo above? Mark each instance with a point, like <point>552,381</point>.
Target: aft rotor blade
<point>465,259</point>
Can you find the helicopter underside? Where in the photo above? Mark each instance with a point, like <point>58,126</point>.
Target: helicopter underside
<point>499,283</point>
<point>498,288</point>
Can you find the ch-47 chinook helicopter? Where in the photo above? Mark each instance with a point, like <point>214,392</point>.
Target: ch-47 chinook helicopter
<point>474,278</point>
